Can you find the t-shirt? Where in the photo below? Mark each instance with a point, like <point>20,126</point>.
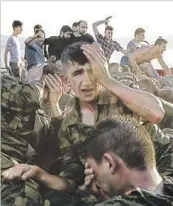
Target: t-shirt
<point>13,45</point>
<point>34,54</point>
<point>86,38</point>
<point>56,46</point>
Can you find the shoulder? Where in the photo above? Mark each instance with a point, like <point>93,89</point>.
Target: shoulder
<point>106,97</point>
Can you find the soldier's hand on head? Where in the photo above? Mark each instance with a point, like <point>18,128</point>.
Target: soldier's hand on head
<point>91,185</point>
<point>20,172</point>
<point>54,85</point>
<point>99,65</point>
<point>89,175</point>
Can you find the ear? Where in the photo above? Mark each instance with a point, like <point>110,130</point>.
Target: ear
<point>65,80</point>
<point>113,162</point>
<point>109,161</point>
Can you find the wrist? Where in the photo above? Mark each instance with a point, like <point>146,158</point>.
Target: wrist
<point>39,174</point>
<point>105,81</point>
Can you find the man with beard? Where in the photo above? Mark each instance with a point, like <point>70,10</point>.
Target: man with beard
<point>56,44</point>
<point>81,34</point>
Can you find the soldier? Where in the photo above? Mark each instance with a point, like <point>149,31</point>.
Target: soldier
<point>23,131</point>
<point>123,168</point>
<point>84,68</point>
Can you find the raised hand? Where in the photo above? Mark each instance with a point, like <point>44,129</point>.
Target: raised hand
<point>54,85</point>
<point>98,62</point>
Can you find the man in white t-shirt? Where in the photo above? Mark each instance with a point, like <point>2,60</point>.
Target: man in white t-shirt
<point>13,48</point>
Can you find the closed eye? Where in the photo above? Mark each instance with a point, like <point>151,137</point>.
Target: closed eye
<point>77,72</point>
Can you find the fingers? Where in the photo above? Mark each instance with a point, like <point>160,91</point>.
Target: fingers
<point>88,179</point>
<point>30,174</point>
<point>94,53</point>
<point>15,172</point>
<point>89,171</point>
<point>53,82</point>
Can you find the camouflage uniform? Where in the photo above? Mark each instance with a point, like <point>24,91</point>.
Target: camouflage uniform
<point>144,198</point>
<point>75,135</point>
<point>22,134</point>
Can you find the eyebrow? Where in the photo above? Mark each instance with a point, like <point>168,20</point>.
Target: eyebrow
<point>78,70</point>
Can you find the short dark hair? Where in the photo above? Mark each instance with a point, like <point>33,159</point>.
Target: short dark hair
<point>74,53</point>
<point>37,26</point>
<point>37,31</point>
<point>75,24</point>
<point>139,31</point>
<point>110,28</point>
<point>124,137</point>
<point>17,23</point>
<point>81,22</point>
<point>160,41</point>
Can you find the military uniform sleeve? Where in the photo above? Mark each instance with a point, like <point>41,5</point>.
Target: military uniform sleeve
<point>21,96</point>
<point>167,121</point>
<point>164,149</point>
<point>71,167</point>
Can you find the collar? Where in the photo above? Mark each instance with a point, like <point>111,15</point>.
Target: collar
<point>72,110</point>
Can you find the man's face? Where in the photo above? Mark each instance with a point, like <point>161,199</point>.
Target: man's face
<point>142,36</point>
<point>67,35</point>
<point>80,78</point>
<point>110,182</point>
<point>162,48</point>
<point>108,34</point>
<point>18,30</point>
<point>83,28</point>
<point>75,28</point>
<point>42,37</point>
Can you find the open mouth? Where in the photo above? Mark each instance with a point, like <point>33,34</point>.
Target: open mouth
<point>87,91</point>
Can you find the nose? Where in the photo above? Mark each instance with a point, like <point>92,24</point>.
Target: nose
<point>87,78</point>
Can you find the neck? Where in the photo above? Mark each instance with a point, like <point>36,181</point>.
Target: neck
<point>154,49</point>
<point>87,105</point>
<point>137,40</point>
<point>148,180</point>
<point>15,34</point>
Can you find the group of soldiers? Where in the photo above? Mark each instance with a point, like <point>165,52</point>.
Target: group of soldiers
<point>96,133</point>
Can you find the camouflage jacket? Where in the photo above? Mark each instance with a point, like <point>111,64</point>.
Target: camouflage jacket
<point>143,197</point>
<point>74,135</point>
<point>23,124</point>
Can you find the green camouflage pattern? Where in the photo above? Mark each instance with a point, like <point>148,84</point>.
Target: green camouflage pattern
<point>23,136</point>
<point>144,198</point>
<point>75,135</point>
<point>167,121</point>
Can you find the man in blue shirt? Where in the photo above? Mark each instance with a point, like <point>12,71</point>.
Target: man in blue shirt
<point>34,53</point>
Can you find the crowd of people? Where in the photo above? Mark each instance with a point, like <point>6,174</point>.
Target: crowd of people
<point>79,130</point>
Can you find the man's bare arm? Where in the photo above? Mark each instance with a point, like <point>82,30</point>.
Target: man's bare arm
<point>6,56</point>
<point>25,172</point>
<point>146,105</point>
<point>30,39</point>
<point>164,66</point>
<point>125,52</point>
<point>96,24</point>
<point>142,103</point>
